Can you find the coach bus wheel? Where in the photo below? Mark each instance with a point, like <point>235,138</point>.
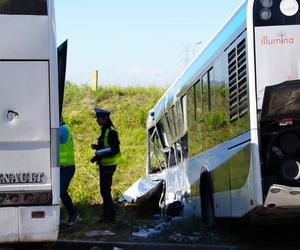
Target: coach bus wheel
<point>207,204</point>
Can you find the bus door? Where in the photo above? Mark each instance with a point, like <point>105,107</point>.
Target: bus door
<point>24,131</point>
<point>62,63</point>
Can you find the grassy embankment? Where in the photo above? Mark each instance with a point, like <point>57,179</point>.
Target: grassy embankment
<point>129,107</point>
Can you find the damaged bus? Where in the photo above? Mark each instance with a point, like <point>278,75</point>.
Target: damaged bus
<point>29,122</point>
<point>225,137</point>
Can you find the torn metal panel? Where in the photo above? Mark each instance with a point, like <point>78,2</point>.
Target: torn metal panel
<point>140,191</point>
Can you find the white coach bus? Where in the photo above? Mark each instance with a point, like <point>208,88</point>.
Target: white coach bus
<point>29,122</point>
<point>225,137</point>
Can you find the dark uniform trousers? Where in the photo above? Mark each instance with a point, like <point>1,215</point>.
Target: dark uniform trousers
<point>106,174</point>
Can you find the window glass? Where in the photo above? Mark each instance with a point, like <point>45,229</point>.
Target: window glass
<point>166,126</point>
<point>162,134</point>
<point>23,7</point>
<point>175,119</point>
<point>191,105</point>
<point>179,116</point>
<point>157,157</point>
<point>212,89</point>
<point>171,124</point>
<point>198,100</point>
<point>205,93</point>
<point>184,112</point>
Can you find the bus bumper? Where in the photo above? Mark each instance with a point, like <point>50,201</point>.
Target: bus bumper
<point>29,224</point>
<point>282,196</point>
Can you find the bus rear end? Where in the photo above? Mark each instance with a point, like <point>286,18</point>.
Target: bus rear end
<point>277,62</point>
<point>29,119</point>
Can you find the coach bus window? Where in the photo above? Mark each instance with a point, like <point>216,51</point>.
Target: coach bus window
<point>171,124</point>
<point>205,93</point>
<point>157,157</point>
<point>211,97</point>
<point>191,105</point>
<point>166,126</point>
<point>162,134</point>
<point>184,112</point>
<point>198,100</point>
<point>174,114</point>
<point>179,116</point>
<point>23,7</point>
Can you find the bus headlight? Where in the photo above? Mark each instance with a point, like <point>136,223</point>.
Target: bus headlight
<point>265,14</point>
<point>28,198</point>
<point>266,3</point>
<point>290,171</point>
<point>289,7</point>
<point>43,197</point>
<point>14,198</point>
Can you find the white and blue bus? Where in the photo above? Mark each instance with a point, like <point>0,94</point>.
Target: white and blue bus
<point>29,122</point>
<point>225,137</point>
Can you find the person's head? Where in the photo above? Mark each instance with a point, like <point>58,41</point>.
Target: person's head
<point>102,117</point>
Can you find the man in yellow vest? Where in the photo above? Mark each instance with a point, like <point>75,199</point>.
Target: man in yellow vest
<point>107,156</point>
<point>67,170</point>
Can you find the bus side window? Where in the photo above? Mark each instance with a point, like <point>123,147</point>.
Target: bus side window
<point>179,118</point>
<point>184,113</point>
<point>205,93</point>
<point>191,106</point>
<point>198,100</point>
<point>171,124</point>
<point>175,120</point>
<point>157,157</point>
<point>211,93</point>
<point>167,130</point>
<point>162,134</point>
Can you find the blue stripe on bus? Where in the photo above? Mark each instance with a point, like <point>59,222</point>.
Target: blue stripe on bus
<point>216,44</point>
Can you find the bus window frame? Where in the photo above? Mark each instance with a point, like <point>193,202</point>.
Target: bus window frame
<point>19,8</point>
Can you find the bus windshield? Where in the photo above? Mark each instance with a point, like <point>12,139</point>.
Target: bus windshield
<point>23,7</point>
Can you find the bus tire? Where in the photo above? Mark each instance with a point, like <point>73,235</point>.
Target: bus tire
<point>207,203</point>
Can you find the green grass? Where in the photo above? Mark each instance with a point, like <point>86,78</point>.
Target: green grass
<point>129,108</point>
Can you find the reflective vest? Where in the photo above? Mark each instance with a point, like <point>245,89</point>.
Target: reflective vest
<point>67,151</point>
<point>112,160</point>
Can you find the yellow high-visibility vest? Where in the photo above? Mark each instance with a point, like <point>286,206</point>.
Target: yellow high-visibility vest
<point>113,160</point>
<point>67,151</point>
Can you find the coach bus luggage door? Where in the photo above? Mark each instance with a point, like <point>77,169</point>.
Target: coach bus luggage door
<point>24,126</point>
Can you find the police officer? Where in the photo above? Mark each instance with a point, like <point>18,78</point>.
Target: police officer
<point>107,156</point>
<point>67,170</point>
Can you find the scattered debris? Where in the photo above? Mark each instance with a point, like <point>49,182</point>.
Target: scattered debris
<point>178,238</point>
<point>95,248</point>
<point>177,219</point>
<point>140,191</point>
<point>117,248</point>
<point>95,233</point>
<point>145,232</point>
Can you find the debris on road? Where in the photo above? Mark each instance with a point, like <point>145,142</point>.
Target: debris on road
<point>147,233</point>
<point>178,238</point>
<point>96,233</point>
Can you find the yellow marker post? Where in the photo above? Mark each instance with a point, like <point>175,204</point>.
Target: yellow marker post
<point>95,80</point>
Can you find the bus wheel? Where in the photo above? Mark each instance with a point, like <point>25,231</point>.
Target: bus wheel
<point>207,204</point>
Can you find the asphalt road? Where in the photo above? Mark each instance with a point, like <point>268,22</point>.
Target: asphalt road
<point>226,235</point>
